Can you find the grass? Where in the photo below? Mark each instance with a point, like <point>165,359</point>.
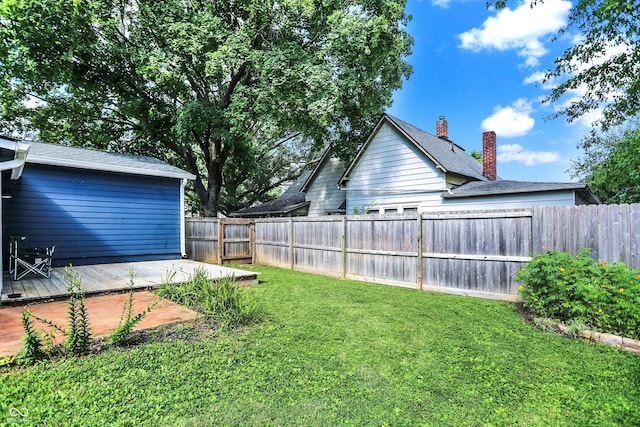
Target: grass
<point>340,352</point>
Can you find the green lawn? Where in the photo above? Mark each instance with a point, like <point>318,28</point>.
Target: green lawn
<point>340,352</point>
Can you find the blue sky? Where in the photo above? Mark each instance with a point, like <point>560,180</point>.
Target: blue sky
<point>481,69</point>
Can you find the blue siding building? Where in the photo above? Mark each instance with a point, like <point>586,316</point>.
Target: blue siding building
<point>96,207</point>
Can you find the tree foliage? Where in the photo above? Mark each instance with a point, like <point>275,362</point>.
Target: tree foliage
<point>200,84</point>
<point>602,69</point>
<point>611,164</point>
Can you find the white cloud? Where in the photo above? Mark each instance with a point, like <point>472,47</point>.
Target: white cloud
<point>589,119</point>
<point>519,29</point>
<point>444,4</point>
<point>511,121</point>
<point>441,3</point>
<point>537,78</point>
<point>517,153</point>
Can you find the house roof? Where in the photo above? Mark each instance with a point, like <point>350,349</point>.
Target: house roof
<point>446,154</point>
<point>487,188</point>
<point>82,158</point>
<point>293,198</point>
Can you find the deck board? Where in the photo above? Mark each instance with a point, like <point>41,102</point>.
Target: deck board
<point>101,278</point>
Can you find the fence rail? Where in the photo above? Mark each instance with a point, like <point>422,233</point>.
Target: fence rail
<point>469,253</point>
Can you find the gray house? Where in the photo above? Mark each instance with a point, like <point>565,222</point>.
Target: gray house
<point>314,193</point>
<point>402,169</point>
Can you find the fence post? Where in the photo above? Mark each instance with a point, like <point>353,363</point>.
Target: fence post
<point>419,266</point>
<point>252,241</point>
<point>291,243</point>
<point>220,240</point>
<point>344,247</point>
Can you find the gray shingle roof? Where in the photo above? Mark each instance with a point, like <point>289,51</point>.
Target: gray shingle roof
<point>487,188</point>
<point>278,206</point>
<point>296,188</point>
<point>292,199</point>
<point>75,157</point>
<point>447,154</point>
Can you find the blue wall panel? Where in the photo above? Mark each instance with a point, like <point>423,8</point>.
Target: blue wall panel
<point>94,217</point>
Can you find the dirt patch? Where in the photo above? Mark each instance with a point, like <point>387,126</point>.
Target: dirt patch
<point>104,317</point>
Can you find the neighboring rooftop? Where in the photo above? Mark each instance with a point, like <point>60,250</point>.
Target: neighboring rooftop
<point>82,158</point>
<point>487,188</point>
<point>444,152</point>
<point>292,199</point>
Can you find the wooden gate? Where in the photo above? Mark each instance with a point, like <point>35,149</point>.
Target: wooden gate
<point>220,241</point>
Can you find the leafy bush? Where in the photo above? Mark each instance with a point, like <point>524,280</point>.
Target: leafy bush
<point>221,299</point>
<point>577,288</point>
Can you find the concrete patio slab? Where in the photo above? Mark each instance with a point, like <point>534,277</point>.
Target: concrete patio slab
<point>104,316</point>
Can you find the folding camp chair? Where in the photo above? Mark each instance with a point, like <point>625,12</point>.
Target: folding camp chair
<point>24,259</point>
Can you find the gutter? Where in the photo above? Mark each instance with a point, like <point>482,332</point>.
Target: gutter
<point>183,237</point>
<point>20,150</point>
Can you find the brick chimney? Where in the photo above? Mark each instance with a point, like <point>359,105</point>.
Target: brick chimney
<point>442,128</point>
<point>489,155</point>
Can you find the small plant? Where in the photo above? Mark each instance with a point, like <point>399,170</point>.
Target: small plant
<point>78,332</point>
<point>575,328</point>
<point>363,210</point>
<point>127,320</point>
<point>579,289</point>
<point>31,350</point>
<point>545,324</point>
<point>231,304</point>
<point>222,299</point>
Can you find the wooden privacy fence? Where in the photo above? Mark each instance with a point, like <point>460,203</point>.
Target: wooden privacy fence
<point>471,253</point>
<point>468,253</point>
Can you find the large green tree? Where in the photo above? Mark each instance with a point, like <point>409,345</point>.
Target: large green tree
<point>602,69</point>
<point>200,83</point>
<point>611,164</point>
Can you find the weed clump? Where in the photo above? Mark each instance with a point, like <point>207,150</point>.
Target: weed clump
<point>222,300</point>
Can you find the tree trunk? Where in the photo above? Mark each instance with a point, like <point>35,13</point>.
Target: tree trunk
<point>214,186</point>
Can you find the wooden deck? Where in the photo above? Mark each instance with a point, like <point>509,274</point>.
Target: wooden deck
<point>102,278</point>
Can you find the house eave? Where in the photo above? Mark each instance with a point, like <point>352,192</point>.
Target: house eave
<point>79,164</point>
<point>581,189</point>
<point>311,177</point>
<point>284,211</point>
<point>415,143</point>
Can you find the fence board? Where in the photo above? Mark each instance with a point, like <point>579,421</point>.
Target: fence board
<point>634,244</point>
<point>201,239</point>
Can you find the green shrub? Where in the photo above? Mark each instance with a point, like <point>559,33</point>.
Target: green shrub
<point>221,299</point>
<point>577,288</point>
